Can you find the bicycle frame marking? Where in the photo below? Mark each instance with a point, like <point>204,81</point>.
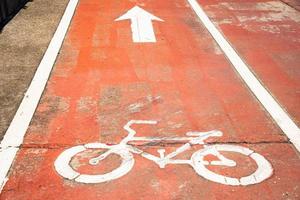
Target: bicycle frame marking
<point>163,160</point>
<point>197,161</point>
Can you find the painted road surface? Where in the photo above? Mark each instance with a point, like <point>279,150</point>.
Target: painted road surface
<point>266,35</point>
<point>127,111</point>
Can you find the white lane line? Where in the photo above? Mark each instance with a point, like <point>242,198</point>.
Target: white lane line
<point>15,133</point>
<point>287,125</point>
<point>6,158</point>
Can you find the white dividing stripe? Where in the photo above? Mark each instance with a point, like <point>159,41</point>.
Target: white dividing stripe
<point>286,124</point>
<point>6,156</point>
<point>15,133</point>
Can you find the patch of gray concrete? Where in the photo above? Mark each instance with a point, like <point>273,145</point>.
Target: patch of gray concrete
<point>23,42</point>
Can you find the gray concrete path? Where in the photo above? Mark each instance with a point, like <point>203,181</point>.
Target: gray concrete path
<point>22,45</point>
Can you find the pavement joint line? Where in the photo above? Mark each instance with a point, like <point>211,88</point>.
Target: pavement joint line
<point>149,144</point>
<point>15,133</point>
<point>279,115</point>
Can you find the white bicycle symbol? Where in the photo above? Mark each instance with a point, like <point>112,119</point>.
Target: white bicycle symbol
<point>197,161</point>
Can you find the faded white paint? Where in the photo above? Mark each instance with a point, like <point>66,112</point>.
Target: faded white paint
<point>287,125</point>
<point>14,135</point>
<point>270,11</point>
<point>141,24</point>
<point>6,158</point>
<point>124,150</point>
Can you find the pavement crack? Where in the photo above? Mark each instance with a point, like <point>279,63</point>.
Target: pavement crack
<point>150,144</point>
<point>162,144</point>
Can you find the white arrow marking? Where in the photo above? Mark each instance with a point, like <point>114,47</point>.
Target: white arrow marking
<point>141,24</point>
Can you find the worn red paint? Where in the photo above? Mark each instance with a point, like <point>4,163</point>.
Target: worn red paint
<point>99,76</point>
<point>266,35</point>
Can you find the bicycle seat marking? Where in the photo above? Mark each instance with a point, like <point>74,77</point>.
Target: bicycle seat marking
<point>197,161</point>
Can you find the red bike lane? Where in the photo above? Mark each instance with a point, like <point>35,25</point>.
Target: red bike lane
<point>266,35</point>
<point>106,75</point>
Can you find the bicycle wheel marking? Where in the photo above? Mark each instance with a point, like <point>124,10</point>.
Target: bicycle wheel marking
<point>62,164</point>
<point>264,168</point>
<point>124,168</point>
